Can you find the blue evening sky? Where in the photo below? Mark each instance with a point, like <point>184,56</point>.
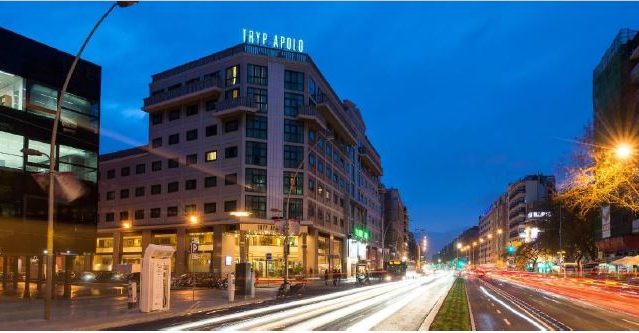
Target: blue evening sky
<point>459,98</point>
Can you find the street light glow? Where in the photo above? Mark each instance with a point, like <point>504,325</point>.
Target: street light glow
<point>459,245</point>
<point>240,214</point>
<point>623,151</point>
<point>193,219</point>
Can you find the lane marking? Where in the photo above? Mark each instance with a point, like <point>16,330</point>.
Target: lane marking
<point>507,322</point>
<point>630,321</point>
<point>498,311</point>
<point>508,307</point>
<point>492,304</point>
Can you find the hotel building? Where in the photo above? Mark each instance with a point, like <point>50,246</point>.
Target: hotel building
<point>248,129</point>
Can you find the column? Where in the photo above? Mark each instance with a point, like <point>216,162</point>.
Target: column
<point>16,274</point>
<point>147,237</point>
<point>329,256</point>
<point>117,247</point>
<point>181,251</point>
<point>217,260</point>
<point>303,254</point>
<point>41,260</point>
<point>243,246</point>
<point>27,277</point>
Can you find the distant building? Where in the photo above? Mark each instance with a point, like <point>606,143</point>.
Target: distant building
<point>450,251</point>
<point>31,77</point>
<point>616,119</point>
<point>395,225</point>
<point>493,230</point>
<point>525,196</point>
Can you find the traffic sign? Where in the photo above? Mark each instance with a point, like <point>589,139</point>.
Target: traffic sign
<point>194,247</point>
<point>269,256</point>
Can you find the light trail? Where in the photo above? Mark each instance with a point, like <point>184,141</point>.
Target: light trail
<point>511,309</point>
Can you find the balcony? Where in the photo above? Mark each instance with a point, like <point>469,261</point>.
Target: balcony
<point>200,89</point>
<point>310,113</point>
<point>331,113</point>
<point>235,106</point>
<point>370,160</point>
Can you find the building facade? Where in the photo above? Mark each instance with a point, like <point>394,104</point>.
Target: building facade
<point>460,249</point>
<point>616,120</point>
<point>395,225</point>
<point>524,198</point>
<point>492,226</point>
<point>250,129</point>
<point>31,77</point>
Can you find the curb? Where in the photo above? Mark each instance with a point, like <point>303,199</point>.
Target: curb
<point>425,326</point>
<point>470,310</point>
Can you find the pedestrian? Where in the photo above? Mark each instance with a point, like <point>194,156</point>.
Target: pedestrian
<point>339,277</point>
<point>334,277</point>
<point>326,277</point>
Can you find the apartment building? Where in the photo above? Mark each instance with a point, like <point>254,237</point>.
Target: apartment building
<point>492,227</point>
<point>239,140</point>
<point>525,199</point>
<point>395,225</point>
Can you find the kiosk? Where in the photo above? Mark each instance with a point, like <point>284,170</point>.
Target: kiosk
<point>155,278</point>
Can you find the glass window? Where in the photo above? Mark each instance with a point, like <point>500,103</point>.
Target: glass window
<point>256,127</point>
<point>44,97</point>
<point>293,156</point>
<point>156,165</point>
<point>157,142</point>
<point>293,131</point>
<point>156,189</point>
<point>78,156</point>
<point>311,160</point>
<point>190,184</point>
<point>231,126</point>
<point>124,215</point>
<point>260,97</point>
<point>173,163</point>
<point>230,152</point>
<point>165,239</point>
<point>257,74</point>
<point>209,105</point>
<point>210,207</point>
<point>312,87</point>
<point>256,153</point>
<point>139,214</point>
<point>110,195</point>
<point>292,103</point>
<point>124,194</point>
<point>233,75</point>
<point>173,187</point>
<point>125,171</point>
<point>10,154</point>
<point>140,169</point>
<point>191,135</point>
<point>191,159</point>
<point>11,91</point>
<point>132,244</point>
<point>230,179</point>
<point>210,181</point>
<point>256,205</point>
<point>211,130</point>
<point>174,139</point>
<point>156,212</point>
<point>232,94</point>
<point>294,183</point>
<point>294,80</point>
<point>139,191</point>
<point>192,110</point>
<point>174,114</point>
<point>230,206</point>
<point>211,156</point>
<point>157,118</point>
<point>255,180</point>
<point>171,211</point>
<point>294,208</point>
<point>111,174</point>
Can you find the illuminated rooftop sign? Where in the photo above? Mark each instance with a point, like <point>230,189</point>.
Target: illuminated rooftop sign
<point>276,41</point>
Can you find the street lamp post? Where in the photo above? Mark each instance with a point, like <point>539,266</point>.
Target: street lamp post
<point>52,158</point>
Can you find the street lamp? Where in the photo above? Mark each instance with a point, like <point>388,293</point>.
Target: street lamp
<point>240,213</point>
<point>52,157</point>
<point>193,219</point>
<point>623,151</point>
<point>126,224</point>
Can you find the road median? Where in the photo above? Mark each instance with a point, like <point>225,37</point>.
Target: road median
<point>454,313</point>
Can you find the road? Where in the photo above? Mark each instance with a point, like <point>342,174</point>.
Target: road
<point>499,304</point>
<point>376,307</point>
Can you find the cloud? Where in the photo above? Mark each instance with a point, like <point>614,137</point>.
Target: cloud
<point>133,113</point>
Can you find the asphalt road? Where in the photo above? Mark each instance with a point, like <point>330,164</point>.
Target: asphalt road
<point>501,305</point>
<point>400,305</point>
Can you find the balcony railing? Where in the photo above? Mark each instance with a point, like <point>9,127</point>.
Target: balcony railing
<point>367,153</point>
<point>239,102</point>
<point>182,91</point>
<point>310,111</point>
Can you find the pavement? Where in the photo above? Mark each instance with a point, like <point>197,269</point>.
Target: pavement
<point>398,305</point>
<point>503,304</point>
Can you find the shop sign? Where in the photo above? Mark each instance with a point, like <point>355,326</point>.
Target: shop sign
<point>282,42</point>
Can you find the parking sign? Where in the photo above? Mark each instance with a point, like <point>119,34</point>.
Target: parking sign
<point>194,247</point>
<point>269,256</point>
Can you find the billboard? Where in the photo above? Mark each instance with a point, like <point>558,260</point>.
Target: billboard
<point>605,222</point>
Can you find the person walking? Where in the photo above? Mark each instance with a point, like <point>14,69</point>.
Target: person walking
<point>326,277</point>
<point>339,277</point>
<point>334,277</point>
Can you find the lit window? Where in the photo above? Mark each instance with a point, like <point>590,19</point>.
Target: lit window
<point>211,155</point>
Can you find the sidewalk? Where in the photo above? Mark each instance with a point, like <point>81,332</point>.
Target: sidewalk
<point>95,313</point>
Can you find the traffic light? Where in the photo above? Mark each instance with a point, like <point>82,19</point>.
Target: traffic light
<point>511,249</point>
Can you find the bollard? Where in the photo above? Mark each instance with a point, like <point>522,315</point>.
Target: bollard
<point>133,294</point>
<point>231,287</point>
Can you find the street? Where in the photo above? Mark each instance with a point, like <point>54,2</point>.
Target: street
<point>499,304</point>
<point>375,307</point>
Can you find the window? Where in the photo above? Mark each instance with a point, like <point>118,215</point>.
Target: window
<point>155,213</point>
<point>232,94</point>
<point>156,165</point>
<point>294,80</point>
<point>156,118</point>
<point>174,114</point>
<point>191,159</point>
<point>256,127</point>
<point>171,211</point>
<point>292,103</point>
<point>174,139</point>
<point>191,135</point>
<point>111,174</point>
<point>311,159</point>
<point>211,130</point>
<point>210,156</point>
<point>125,171</point>
<point>124,215</point>
<point>257,75</point>
<point>139,214</point>
<point>209,105</point>
<point>210,181</point>
<point>190,184</point>
<point>312,87</point>
<point>140,169</point>
<point>293,182</point>
<point>190,209</point>
<point>260,97</point>
<point>110,195</point>
<point>256,153</point>
<point>173,163</point>
<point>211,76</point>
<point>139,191</point>
<point>294,208</point>
<point>293,131</point>
<point>293,156</point>
<point>124,194</point>
<point>255,180</point>
<point>232,75</point>
<point>230,152</point>
<point>230,179</point>
<point>320,167</point>
<point>173,187</point>
<point>192,110</point>
<point>231,126</point>
<point>311,185</point>
<point>210,207</point>
<point>311,135</point>
<point>109,217</point>
<point>230,206</point>
<point>156,189</point>
<point>256,205</point>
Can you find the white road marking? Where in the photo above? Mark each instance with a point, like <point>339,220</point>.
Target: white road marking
<point>498,311</point>
<point>630,321</point>
<point>492,304</point>
<point>550,299</point>
<point>506,321</point>
<point>508,307</point>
